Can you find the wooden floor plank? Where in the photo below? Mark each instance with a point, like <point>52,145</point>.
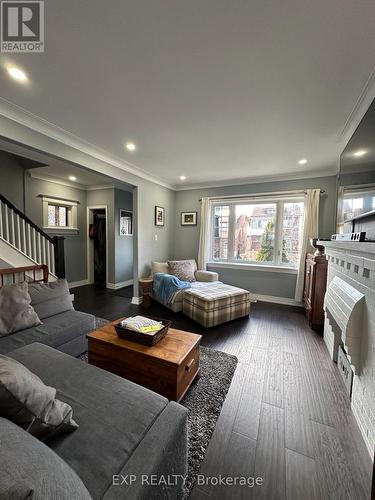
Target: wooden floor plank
<point>301,477</point>
<point>273,385</point>
<point>270,454</point>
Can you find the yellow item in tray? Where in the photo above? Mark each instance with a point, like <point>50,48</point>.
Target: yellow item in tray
<point>151,329</point>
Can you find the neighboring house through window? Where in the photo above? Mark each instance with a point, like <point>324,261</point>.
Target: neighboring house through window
<point>262,232</point>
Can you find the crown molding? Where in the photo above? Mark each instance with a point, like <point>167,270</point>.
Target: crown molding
<point>329,172</point>
<point>74,185</point>
<point>359,110</point>
<point>20,115</point>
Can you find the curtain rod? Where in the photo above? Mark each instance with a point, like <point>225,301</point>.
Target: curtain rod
<point>260,195</point>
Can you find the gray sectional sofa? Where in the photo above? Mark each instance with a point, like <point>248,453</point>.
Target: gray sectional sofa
<point>124,431</point>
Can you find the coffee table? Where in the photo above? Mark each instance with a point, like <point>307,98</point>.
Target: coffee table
<point>168,368</point>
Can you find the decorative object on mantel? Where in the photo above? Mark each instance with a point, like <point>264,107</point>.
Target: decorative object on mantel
<point>359,236</point>
<point>314,290</point>
<point>188,218</point>
<point>319,248</point>
<point>159,216</point>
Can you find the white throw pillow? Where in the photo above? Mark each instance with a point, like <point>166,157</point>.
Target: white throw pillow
<point>159,267</point>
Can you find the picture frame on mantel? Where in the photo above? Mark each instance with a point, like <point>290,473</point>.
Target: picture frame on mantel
<point>189,218</point>
<point>159,216</point>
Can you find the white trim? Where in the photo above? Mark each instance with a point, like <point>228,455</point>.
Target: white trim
<point>75,284</point>
<point>137,300</point>
<point>120,284</point>
<point>329,172</point>
<point>30,120</point>
<point>88,241</point>
<point>75,185</point>
<point>254,297</point>
<point>61,230</point>
<point>254,267</point>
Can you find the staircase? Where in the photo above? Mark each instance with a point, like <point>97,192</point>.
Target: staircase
<point>23,243</point>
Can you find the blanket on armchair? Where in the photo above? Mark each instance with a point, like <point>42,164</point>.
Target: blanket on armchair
<point>166,286</point>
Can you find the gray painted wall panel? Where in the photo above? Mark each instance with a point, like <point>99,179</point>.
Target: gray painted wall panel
<point>123,244</point>
<point>11,180</point>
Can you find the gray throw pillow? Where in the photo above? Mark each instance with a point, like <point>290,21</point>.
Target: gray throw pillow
<point>16,313</point>
<point>31,404</point>
<point>183,269</point>
<point>49,299</point>
<point>30,470</point>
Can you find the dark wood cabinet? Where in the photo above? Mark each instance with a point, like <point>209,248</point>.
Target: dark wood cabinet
<point>315,288</point>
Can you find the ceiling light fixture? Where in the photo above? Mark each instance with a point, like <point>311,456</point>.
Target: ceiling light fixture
<point>360,152</point>
<point>17,74</point>
<point>130,146</point>
<point>72,178</point>
<point>182,177</point>
<point>303,161</point>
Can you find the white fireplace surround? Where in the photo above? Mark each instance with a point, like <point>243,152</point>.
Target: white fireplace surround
<point>344,304</point>
<point>350,302</point>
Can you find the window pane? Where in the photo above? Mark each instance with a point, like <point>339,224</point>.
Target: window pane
<point>292,232</point>
<point>51,215</point>
<point>255,232</point>
<point>62,217</point>
<point>220,239</point>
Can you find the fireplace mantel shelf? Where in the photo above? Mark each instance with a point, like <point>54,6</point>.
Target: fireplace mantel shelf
<point>355,246</point>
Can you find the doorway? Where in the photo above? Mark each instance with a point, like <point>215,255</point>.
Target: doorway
<point>97,245</point>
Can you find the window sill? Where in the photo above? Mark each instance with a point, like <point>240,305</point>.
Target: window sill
<point>61,230</point>
<point>254,267</point>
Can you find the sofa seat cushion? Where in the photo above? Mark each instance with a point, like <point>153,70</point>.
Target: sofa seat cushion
<point>31,470</point>
<point>55,331</point>
<point>113,414</point>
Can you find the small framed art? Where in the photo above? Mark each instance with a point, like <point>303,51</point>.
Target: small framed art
<point>126,222</point>
<point>159,216</point>
<point>188,218</point>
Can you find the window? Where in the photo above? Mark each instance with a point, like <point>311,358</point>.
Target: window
<point>59,215</point>
<point>258,232</point>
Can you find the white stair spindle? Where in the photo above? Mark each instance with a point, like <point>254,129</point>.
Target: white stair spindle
<point>48,245</point>
<point>19,244</point>
<point>12,227</point>
<point>52,270</point>
<point>1,220</point>
<point>39,255</point>
<point>29,249</point>
<point>24,247</point>
<point>34,256</point>
<point>6,223</point>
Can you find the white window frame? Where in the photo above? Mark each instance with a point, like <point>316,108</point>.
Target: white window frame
<point>232,262</point>
<point>71,214</point>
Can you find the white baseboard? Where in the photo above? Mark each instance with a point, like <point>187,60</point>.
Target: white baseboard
<point>74,284</point>
<point>137,300</point>
<point>120,284</point>
<point>275,300</point>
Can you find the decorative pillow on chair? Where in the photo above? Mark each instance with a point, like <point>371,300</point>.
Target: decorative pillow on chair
<point>183,269</point>
<point>16,313</point>
<point>159,267</point>
<point>49,299</point>
<point>31,404</point>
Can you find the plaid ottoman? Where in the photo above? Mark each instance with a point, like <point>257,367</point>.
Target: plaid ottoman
<point>216,303</point>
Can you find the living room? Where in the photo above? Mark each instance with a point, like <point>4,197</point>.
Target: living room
<point>187,250</point>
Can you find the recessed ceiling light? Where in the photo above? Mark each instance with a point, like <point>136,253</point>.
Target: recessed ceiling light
<point>360,152</point>
<point>303,161</point>
<point>130,146</point>
<point>182,177</point>
<point>17,74</point>
<point>72,178</point>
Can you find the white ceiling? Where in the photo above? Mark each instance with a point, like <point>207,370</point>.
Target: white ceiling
<point>217,90</point>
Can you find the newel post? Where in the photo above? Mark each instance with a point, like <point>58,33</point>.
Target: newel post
<point>59,256</point>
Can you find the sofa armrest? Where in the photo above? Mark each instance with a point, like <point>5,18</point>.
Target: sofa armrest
<point>206,276</point>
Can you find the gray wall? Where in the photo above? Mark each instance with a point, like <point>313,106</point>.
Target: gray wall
<point>11,180</point>
<point>123,244</point>
<point>3,264</point>
<point>258,282</point>
<point>75,244</point>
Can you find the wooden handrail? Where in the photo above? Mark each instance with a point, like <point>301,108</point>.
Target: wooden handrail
<point>26,219</point>
<point>23,270</point>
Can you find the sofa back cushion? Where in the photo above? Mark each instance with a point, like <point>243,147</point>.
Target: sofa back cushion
<point>49,299</point>
<point>159,267</point>
<point>183,269</point>
<point>16,313</point>
<point>29,403</point>
<point>31,470</point>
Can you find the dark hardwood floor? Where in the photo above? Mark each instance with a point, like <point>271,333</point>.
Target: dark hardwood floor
<point>286,418</point>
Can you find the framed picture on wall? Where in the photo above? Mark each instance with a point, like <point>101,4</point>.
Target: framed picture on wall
<point>188,218</point>
<point>126,222</point>
<point>159,216</point>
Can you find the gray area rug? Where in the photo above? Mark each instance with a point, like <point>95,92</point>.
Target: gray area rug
<point>204,401</point>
